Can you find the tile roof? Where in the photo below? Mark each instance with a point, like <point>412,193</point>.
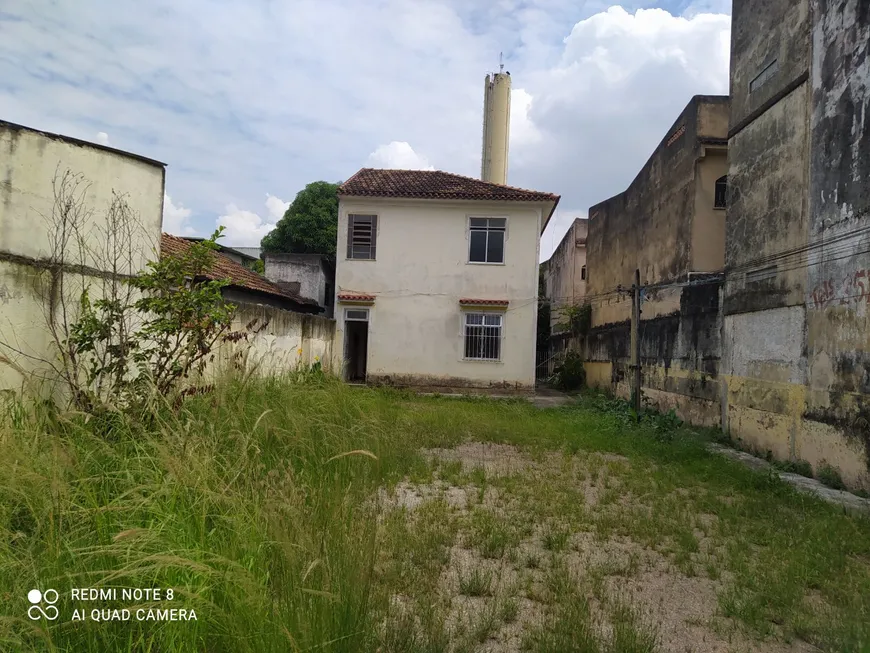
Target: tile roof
<point>434,184</point>
<point>225,269</point>
<point>484,302</point>
<point>355,297</point>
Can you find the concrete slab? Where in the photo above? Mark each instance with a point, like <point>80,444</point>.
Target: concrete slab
<point>802,483</point>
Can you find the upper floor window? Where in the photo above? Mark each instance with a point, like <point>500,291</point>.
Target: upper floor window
<point>583,273</point>
<point>362,236</point>
<point>720,198</point>
<point>486,240</point>
<point>767,72</point>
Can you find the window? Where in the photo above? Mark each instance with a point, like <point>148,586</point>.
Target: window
<point>763,274</point>
<point>483,336</point>
<point>720,198</point>
<point>362,235</point>
<point>486,240</point>
<point>762,77</point>
<point>583,273</point>
<point>356,314</point>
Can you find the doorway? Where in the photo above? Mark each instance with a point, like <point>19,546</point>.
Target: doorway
<point>356,339</point>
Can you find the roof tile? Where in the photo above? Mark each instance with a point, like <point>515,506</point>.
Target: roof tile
<point>434,184</point>
<point>484,302</point>
<point>225,269</point>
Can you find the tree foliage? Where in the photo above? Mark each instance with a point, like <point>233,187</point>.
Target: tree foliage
<point>310,224</point>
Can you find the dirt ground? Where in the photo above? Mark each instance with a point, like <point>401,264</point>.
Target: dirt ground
<point>515,564</point>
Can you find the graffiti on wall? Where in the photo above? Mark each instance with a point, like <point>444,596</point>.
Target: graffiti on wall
<point>851,290</point>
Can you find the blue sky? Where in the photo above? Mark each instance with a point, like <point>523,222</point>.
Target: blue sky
<point>247,101</point>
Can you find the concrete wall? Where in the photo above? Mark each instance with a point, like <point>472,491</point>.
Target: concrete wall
<point>795,328</point>
<point>279,341</point>
<point>565,285</point>
<point>421,273</point>
<point>680,353</point>
<point>30,163</point>
<point>309,270</point>
<point>668,208</point>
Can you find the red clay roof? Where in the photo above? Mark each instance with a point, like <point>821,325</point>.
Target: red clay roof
<point>484,302</point>
<point>225,269</point>
<point>434,184</point>
<point>355,297</point>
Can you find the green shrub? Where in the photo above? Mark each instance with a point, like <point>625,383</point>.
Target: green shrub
<point>830,477</point>
<point>570,375</point>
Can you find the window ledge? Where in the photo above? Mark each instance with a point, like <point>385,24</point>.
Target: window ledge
<point>483,263</point>
<point>482,360</point>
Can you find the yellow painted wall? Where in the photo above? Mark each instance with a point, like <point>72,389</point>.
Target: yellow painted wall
<point>32,165</point>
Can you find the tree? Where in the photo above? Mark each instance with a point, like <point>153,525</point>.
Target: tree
<point>310,224</point>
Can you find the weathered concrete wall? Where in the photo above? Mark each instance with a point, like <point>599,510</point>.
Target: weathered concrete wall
<point>680,354</point>
<point>279,341</point>
<point>421,273</point>
<point>306,269</point>
<point>32,166</point>
<point>838,307</point>
<point>653,225</point>
<point>795,335</point>
<point>565,285</point>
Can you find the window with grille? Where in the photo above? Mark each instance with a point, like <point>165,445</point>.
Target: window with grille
<point>720,199</point>
<point>483,336</point>
<point>362,234</point>
<point>486,240</point>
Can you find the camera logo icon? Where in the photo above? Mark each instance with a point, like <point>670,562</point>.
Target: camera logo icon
<point>39,599</point>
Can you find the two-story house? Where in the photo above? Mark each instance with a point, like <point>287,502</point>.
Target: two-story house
<point>437,279</point>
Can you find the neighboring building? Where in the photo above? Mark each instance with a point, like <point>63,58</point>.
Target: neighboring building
<point>437,279</point>
<point>253,252</point>
<point>565,275</point>
<point>670,222</point>
<point>41,272</point>
<point>233,253</point>
<point>309,275</point>
<point>796,325</point>
<point>670,225</point>
<point>245,286</point>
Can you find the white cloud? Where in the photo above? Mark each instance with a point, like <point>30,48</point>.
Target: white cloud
<point>619,83</point>
<point>246,228</point>
<point>595,88</point>
<point>175,218</point>
<point>103,138</point>
<point>398,154</point>
<point>276,207</point>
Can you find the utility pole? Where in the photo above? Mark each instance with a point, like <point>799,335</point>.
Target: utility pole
<point>635,343</point>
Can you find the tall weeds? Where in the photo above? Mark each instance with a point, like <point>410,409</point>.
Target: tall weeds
<point>237,502</point>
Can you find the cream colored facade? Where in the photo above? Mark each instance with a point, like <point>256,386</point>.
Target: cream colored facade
<point>421,272</point>
<point>31,162</point>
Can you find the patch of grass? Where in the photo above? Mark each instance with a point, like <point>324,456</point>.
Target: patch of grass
<point>798,466</point>
<point>630,634</point>
<point>555,538</point>
<point>831,477</point>
<point>509,610</point>
<point>478,582</point>
<point>532,560</point>
<point>258,504</point>
<point>491,534</point>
